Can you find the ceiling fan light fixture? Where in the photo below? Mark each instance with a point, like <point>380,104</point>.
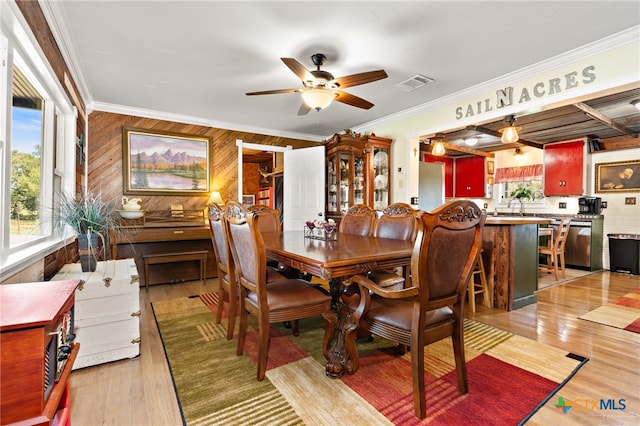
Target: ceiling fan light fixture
<point>318,98</point>
<point>510,133</point>
<point>636,103</point>
<point>471,141</point>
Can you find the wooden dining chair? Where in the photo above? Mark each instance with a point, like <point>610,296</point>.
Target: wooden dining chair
<point>432,307</point>
<point>554,253</point>
<point>227,287</point>
<point>268,220</point>
<point>397,221</point>
<point>358,219</point>
<point>286,300</point>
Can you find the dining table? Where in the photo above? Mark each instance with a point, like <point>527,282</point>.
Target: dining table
<point>336,260</point>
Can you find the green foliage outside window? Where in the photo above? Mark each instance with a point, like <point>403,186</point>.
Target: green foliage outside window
<point>532,190</point>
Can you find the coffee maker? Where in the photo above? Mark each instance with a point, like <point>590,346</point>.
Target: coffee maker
<point>590,205</point>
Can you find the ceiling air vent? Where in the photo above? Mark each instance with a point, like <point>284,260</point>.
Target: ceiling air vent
<point>414,82</point>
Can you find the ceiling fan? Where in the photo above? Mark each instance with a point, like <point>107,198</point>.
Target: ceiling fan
<point>320,87</point>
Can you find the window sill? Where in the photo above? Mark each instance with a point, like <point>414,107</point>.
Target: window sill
<point>18,259</point>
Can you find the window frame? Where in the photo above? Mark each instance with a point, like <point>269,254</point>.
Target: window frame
<point>18,45</point>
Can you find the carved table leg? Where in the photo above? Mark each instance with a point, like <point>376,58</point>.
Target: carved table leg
<point>341,324</point>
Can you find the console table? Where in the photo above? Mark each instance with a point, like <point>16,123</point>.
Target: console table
<point>164,238</point>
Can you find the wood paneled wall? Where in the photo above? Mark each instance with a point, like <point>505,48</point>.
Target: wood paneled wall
<point>105,156</point>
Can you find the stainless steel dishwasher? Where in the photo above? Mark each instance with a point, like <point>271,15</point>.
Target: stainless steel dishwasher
<point>583,249</point>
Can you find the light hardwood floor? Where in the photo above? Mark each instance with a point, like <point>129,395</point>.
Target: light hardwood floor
<point>140,391</point>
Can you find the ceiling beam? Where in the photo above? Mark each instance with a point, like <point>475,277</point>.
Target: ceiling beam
<point>498,135</point>
<point>619,142</point>
<point>458,148</point>
<point>597,115</point>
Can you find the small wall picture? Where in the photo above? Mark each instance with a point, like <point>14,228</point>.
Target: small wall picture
<point>619,176</point>
<point>248,200</point>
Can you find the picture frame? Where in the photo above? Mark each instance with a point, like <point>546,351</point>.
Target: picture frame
<point>164,163</point>
<point>490,167</point>
<point>248,200</point>
<point>618,176</point>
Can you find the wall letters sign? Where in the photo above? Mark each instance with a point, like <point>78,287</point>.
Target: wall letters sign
<point>505,97</point>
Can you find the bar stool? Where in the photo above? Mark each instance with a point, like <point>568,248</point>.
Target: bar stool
<point>477,287</point>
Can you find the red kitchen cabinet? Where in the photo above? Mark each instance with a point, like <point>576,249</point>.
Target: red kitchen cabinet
<point>448,172</point>
<point>564,168</point>
<point>470,177</point>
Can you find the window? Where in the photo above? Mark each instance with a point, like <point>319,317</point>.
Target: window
<point>37,146</point>
<point>510,179</point>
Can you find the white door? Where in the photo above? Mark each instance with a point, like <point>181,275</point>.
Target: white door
<point>303,188</point>
<point>431,187</point>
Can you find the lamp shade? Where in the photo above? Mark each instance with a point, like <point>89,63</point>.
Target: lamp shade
<point>510,134</point>
<point>471,141</point>
<point>318,98</point>
<point>215,198</point>
<point>438,149</point>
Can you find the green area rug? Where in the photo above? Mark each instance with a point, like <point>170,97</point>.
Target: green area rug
<point>510,377</point>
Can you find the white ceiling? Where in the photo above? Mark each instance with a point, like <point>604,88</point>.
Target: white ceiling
<point>194,61</point>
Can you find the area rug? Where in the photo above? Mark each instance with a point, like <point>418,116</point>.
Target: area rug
<point>623,313</point>
<point>510,377</point>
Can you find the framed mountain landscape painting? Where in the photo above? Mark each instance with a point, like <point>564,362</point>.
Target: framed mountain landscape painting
<point>160,163</point>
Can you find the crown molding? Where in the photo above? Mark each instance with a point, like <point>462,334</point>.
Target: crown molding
<point>614,41</point>
<point>199,121</point>
<point>54,15</point>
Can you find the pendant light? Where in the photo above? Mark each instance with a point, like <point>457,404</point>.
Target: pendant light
<point>510,133</point>
<point>437,147</point>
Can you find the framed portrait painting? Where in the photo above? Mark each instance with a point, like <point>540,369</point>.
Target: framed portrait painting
<point>160,163</point>
<point>619,176</point>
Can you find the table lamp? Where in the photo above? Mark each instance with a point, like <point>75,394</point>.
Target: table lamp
<point>215,198</point>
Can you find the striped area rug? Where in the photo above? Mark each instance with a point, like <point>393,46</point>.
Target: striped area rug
<point>509,376</point>
<point>622,313</point>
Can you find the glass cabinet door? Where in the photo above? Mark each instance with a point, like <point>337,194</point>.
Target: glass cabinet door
<point>332,183</point>
<point>358,180</point>
<point>345,167</point>
<point>381,178</point>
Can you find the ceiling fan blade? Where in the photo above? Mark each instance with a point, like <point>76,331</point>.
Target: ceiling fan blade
<point>361,78</point>
<point>274,92</point>
<point>298,69</point>
<point>349,99</point>
<point>304,109</point>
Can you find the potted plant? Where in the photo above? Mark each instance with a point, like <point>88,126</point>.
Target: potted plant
<point>91,218</point>
<point>521,193</point>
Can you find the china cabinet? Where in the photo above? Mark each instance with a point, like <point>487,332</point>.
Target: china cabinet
<point>358,171</point>
<point>564,168</point>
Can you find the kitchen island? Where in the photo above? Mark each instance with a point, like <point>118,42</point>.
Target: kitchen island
<point>510,255</point>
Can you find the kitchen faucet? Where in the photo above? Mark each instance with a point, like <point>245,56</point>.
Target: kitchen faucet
<point>521,205</point>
